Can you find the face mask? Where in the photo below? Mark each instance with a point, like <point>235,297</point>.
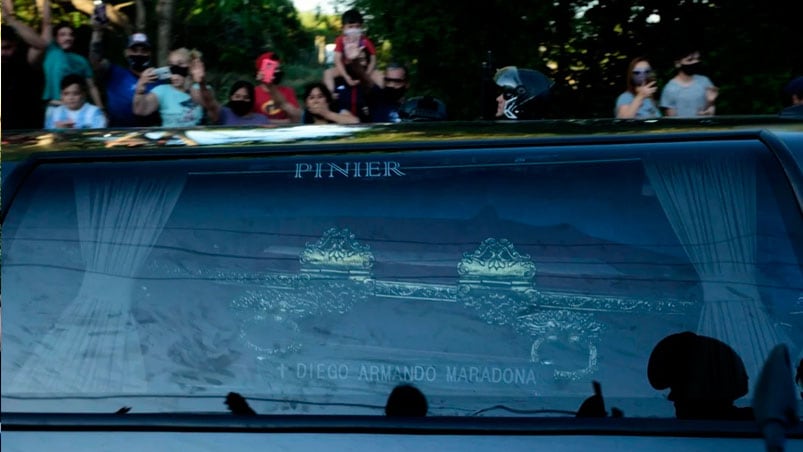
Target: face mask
<point>179,70</point>
<point>139,63</point>
<point>240,107</point>
<point>639,78</point>
<point>393,94</point>
<point>690,69</point>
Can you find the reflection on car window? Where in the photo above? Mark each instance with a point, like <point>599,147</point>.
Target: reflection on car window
<point>317,284</point>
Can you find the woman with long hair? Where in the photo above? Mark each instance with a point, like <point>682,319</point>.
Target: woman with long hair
<point>637,101</point>
<point>318,103</point>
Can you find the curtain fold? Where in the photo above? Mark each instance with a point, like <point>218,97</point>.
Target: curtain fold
<point>711,205</point>
<point>94,346</point>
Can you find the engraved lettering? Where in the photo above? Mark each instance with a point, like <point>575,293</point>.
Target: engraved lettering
<point>372,169</point>
<point>302,168</point>
<point>390,373</point>
<point>332,170</point>
<point>335,167</point>
<point>451,374</point>
<point>392,167</point>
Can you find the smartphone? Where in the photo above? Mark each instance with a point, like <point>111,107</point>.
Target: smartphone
<point>650,78</point>
<point>100,12</point>
<point>162,73</point>
<point>267,70</point>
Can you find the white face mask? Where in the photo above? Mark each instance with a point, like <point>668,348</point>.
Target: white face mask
<point>353,32</point>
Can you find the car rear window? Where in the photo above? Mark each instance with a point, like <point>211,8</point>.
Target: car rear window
<point>497,281</point>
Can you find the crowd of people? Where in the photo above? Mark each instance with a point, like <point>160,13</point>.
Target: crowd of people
<point>139,94</point>
<point>92,92</point>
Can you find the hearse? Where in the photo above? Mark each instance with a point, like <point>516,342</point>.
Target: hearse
<point>224,289</point>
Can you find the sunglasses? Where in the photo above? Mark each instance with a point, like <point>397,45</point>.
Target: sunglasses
<point>642,71</point>
<point>394,80</point>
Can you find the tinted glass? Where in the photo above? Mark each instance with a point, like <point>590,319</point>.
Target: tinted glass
<point>315,284</point>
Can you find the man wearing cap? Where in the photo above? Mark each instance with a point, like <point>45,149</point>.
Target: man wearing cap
<point>121,82</point>
<point>277,102</point>
<point>793,93</point>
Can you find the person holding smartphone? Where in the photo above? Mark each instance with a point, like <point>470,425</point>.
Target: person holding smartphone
<point>120,82</point>
<point>279,103</point>
<point>637,100</point>
<point>185,100</point>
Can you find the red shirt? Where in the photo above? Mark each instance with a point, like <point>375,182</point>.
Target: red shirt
<point>265,105</point>
<point>364,42</point>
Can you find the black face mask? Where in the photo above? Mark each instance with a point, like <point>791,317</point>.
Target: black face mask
<point>179,70</point>
<point>240,107</point>
<point>393,94</point>
<point>690,69</point>
<point>139,63</point>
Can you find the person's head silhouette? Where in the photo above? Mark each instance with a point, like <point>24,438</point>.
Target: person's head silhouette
<point>406,401</point>
<point>704,376</point>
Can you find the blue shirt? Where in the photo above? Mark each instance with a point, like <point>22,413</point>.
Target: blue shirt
<point>686,100</point>
<point>382,109</point>
<point>177,107</point>
<point>121,84</point>
<point>86,117</point>
<point>227,117</point>
<point>648,109</point>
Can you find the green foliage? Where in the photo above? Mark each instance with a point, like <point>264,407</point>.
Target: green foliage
<point>232,33</point>
<point>585,46</point>
<point>750,49</point>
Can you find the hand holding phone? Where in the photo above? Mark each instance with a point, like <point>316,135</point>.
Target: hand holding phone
<point>99,13</point>
<point>162,73</point>
<point>267,70</point>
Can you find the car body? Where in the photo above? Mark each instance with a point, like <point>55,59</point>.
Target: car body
<point>500,267</point>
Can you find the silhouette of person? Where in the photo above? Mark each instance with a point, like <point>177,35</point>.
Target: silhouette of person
<point>406,401</point>
<point>238,405</point>
<point>704,376</point>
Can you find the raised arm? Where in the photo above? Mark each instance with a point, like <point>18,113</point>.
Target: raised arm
<point>25,31</point>
<point>292,110</point>
<point>145,103</point>
<point>201,94</point>
<point>630,110</point>
<point>96,58</point>
<point>95,93</point>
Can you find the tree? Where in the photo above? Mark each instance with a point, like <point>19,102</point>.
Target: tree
<point>233,33</point>
<point>585,46</point>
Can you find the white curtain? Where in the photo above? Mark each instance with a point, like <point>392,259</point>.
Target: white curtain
<point>94,346</point>
<point>711,204</point>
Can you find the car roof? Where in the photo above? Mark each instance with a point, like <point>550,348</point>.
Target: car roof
<point>20,145</point>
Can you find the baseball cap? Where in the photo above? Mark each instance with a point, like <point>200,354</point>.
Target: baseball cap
<point>138,39</point>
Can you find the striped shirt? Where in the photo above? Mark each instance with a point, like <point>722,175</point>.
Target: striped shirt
<point>86,117</point>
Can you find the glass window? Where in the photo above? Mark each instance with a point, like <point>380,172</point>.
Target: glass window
<point>498,281</point>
